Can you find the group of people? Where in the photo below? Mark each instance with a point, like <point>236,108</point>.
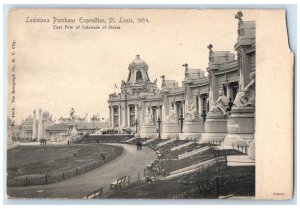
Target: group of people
<point>43,141</point>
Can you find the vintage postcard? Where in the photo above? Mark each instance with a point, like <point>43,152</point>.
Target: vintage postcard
<point>149,104</point>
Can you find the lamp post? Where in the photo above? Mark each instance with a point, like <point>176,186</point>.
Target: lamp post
<point>158,122</point>
<point>136,124</point>
<point>203,115</point>
<point>181,122</point>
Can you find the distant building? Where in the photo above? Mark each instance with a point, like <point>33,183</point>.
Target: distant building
<point>43,127</point>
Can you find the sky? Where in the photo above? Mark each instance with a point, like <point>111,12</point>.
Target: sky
<point>60,69</point>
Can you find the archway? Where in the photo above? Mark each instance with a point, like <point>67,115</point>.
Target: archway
<point>139,76</point>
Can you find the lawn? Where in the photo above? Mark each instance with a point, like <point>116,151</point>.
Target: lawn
<point>56,160</point>
<point>182,187</point>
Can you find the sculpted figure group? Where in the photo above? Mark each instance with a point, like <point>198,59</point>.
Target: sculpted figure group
<point>245,97</point>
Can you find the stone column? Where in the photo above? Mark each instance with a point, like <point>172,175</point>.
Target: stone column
<point>151,109</point>
<point>40,126</point>
<point>183,108</point>
<point>215,90</point>
<point>141,112</point>
<point>110,116</point>
<point>135,112</point>
<point>123,113</point>
<point>128,115</point>
<point>119,112</point>
<point>34,125</point>
<point>200,100</point>
<point>113,117</point>
<point>244,68</point>
<point>159,111</point>
<point>175,109</point>
<point>165,107</point>
<point>229,92</point>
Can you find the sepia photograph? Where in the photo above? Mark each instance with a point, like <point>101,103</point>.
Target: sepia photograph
<point>138,104</point>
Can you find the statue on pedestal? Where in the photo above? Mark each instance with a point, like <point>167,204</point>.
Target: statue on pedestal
<point>220,105</point>
<point>246,96</point>
<point>149,117</point>
<point>191,113</point>
<point>72,114</point>
<point>74,131</point>
<point>172,116</point>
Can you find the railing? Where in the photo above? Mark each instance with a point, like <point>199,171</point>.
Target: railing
<point>211,183</point>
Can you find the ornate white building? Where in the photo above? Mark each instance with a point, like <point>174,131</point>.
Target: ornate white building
<point>198,109</point>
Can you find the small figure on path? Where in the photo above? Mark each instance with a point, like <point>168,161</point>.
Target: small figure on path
<point>102,157</point>
<point>139,145</point>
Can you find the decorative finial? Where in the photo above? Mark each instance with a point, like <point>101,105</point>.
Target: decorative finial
<point>137,56</point>
<point>210,46</point>
<point>163,83</point>
<point>239,16</point>
<point>185,65</point>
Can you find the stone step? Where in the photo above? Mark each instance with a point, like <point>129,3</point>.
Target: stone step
<point>239,160</point>
<point>190,169</point>
<point>166,142</point>
<point>131,139</point>
<point>182,146</point>
<point>148,141</point>
<point>194,152</point>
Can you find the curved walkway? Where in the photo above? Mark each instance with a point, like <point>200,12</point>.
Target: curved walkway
<point>128,164</point>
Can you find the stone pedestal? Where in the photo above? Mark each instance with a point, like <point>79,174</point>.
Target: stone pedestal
<point>137,135</point>
<point>170,130</point>
<point>240,127</point>
<point>148,130</point>
<point>215,128</point>
<point>192,130</point>
<point>251,150</point>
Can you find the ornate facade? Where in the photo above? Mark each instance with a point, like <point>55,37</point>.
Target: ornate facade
<point>205,108</point>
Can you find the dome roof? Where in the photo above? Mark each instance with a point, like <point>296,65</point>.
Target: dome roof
<point>138,60</point>
<point>28,120</point>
